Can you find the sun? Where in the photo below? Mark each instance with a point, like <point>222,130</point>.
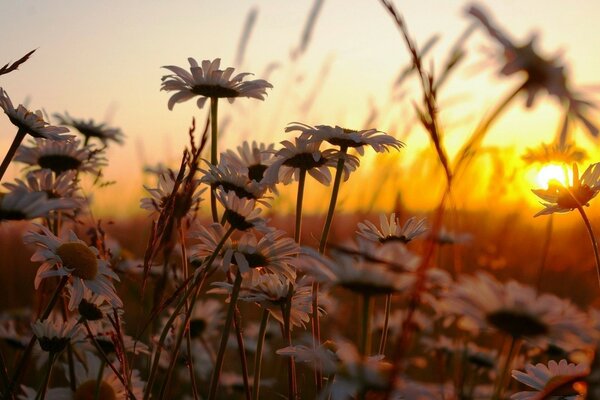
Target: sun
<point>552,172</point>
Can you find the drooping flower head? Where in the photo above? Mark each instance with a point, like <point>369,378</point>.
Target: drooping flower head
<point>21,204</point>
<point>72,257</point>
<point>91,129</point>
<point>252,159</point>
<point>208,81</point>
<point>558,198</point>
<point>232,179</point>
<point>567,153</point>
<point>32,123</point>
<point>241,214</point>
<point>55,334</point>
<point>391,230</point>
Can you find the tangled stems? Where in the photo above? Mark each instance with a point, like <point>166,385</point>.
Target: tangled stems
<point>196,283</point>
<point>12,150</point>
<point>586,221</point>
<point>42,392</point>
<point>214,108</point>
<point>258,356</point>
<point>511,351</point>
<point>29,349</point>
<point>235,291</point>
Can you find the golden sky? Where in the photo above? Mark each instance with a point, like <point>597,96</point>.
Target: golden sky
<point>102,60</point>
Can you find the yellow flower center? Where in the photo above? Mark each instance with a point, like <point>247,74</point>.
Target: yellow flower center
<point>78,257</point>
<point>87,391</point>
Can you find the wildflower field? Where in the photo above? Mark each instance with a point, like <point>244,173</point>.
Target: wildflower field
<point>309,259</point>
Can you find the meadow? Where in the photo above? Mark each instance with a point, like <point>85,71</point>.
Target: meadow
<point>332,262</point>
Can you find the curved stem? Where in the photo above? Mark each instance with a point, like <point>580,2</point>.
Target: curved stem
<point>198,281</point>
<point>12,150</point>
<point>299,199</point>
<point>545,251</point>
<point>586,221</point>
<point>365,344</point>
<point>214,108</point>
<point>386,324</point>
<point>23,363</point>
<point>235,291</point>
<point>42,392</point>
<point>258,356</point>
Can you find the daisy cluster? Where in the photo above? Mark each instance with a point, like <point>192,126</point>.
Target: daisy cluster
<point>224,303</point>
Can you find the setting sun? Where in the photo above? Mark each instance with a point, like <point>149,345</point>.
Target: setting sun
<point>552,172</point>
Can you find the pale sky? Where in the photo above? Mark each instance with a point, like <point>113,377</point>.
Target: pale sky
<point>102,59</point>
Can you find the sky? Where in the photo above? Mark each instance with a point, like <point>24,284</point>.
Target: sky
<point>103,60</point>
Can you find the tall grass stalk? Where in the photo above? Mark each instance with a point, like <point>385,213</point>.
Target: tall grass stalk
<point>260,341</point>
<point>510,352</point>
<point>11,151</point>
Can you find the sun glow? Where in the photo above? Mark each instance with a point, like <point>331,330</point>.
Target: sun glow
<point>552,172</point>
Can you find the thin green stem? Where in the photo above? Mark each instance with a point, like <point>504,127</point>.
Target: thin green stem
<point>586,221</point>
<point>198,281</point>
<point>500,383</point>
<point>259,350</point>
<point>42,392</point>
<point>11,151</point>
<point>386,324</point>
<point>235,291</point>
<point>237,327</point>
<point>545,251</point>
<point>214,109</point>
<point>287,336</point>
<point>299,199</point>
<point>99,380</point>
<point>365,344</point>
<point>23,363</point>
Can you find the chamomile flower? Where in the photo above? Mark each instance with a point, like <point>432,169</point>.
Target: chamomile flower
<point>20,204</point>
<point>91,129</point>
<point>251,158</point>
<point>241,214</point>
<point>61,156</point>
<point>560,199</point>
<point>32,123</point>
<point>540,377</point>
<point>207,317</point>
<point>232,179</point>
<point>185,204</point>
<point>481,302</point>
<point>72,257</point>
<point>304,156</point>
<point>55,334</point>
<point>562,153</point>
<point>208,81</point>
<point>347,138</point>
<point>391,230</point>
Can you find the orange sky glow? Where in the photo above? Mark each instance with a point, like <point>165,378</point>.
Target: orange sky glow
<point>103,60</point>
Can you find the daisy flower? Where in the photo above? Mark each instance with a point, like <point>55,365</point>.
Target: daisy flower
<point>20,204</point>
<point>74,258</point>
<point>560,199</point>
<point>241,213</point>
<point>9,334</point>
<point>541,73</point>
<point>51,393</point>
<point>251,158</point>
<point>481,302</point>
<point>305,156</point>
<point>232,179</point>
<point>391,230</point>
<point>186,205</point>
<point>31,123</point>
<point>55,334</point>
<point>206,320</point>
<point>540,377</point>
<point>563,153</point>
<point>90,129</point>
<point>208,81</point>
<point>274,252</point>
<point>347,138</point>
<point>61,156</point>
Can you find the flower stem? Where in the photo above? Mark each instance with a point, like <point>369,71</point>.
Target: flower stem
<point>235,291</point>
<point>258,356</point>
<point>365,344</point>
<point>12,150</point>
<point>545,251</point>
<point>214,108</point>
<point>386,324</point>
<point>42,392</point>
<point>237,327</point>
<point>23,363</point>
<point>197,282</point>
<point>586,221</point>
<point>299,199</point>
<point>500,383</point>
<point>3,372</point>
